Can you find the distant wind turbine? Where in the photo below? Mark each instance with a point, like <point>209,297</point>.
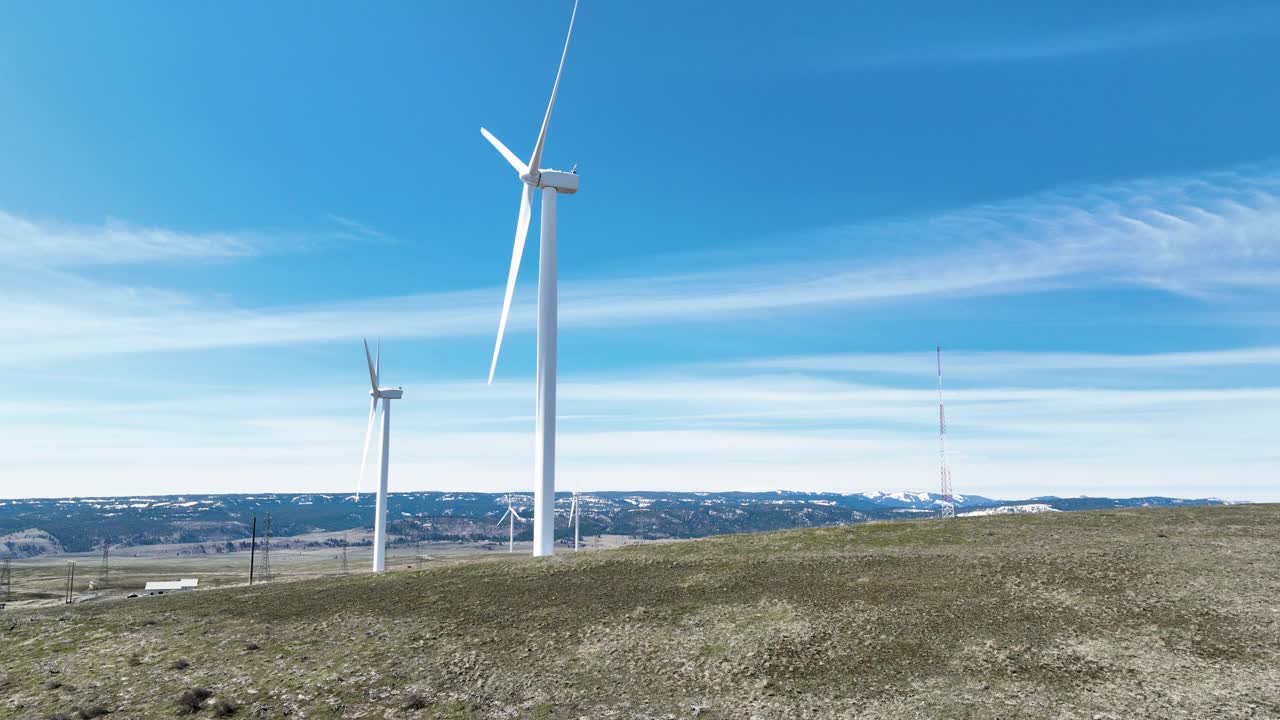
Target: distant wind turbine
<point>551,182</point>
<point>574,515</point>
<point>511,513</point>
<point>386,395</point>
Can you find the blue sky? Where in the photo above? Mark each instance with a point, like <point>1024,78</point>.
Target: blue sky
<point>784,208</point>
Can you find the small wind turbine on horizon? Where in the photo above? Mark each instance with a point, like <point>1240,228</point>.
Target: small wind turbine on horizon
<point>511,513</point>
<point>386,395</point>
<point>551,182</point>
<point>574,516</point>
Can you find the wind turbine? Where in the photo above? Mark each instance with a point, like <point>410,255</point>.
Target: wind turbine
<point>511,513</point>
<point>386,395</point>
<point>574,516</point>
<point>552,182</point>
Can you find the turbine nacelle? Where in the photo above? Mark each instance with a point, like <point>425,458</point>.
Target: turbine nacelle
<point>388,393</point>
<point>565,183</point>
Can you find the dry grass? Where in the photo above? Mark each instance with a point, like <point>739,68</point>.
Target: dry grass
<point>1161,613</point>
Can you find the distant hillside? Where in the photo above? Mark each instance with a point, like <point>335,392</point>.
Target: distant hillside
<point>79,524</point>
<point>1155,614</point>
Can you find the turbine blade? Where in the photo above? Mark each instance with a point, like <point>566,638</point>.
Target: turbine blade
<point>536,161</point>
<point>522,231</point>
<point>517,163</point>
<point>364,457</point>
<point>377,362</point>
<point>373,374</point>
<point>504,516</point>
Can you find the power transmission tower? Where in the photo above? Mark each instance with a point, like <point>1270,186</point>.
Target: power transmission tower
<point>344,570</point>
<point>948,499</point>
<point>104,573</point>
<point>264,571</point>
<point>71,581</point>
<point>6,582</point>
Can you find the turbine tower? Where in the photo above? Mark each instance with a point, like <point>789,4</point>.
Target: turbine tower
<point>552,182</point>
<point>574,517</point>
<point>386,395</point>
<point>948,500</point>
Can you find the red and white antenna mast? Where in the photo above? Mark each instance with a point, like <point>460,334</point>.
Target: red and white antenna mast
<point>948,500</point>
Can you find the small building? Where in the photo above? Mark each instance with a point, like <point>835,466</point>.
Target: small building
<point>160,587</point>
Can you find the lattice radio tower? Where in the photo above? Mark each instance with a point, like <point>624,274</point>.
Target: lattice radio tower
<point>264,553</point>
<point>345,569</point>
<point>948,500</point>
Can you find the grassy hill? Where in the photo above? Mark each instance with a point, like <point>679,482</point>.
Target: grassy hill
<point>1154,613</point>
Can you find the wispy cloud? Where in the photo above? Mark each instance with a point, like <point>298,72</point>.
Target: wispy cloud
<point>1027,45</point>
<point>57,244</point>
<point>356,230</point>
<point>1199,236</point>
<point>48,243</point>
<point>667,428</point>
<point>988,365</point>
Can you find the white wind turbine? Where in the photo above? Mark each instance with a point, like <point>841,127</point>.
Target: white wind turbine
<point>386,395</point>
<point>574,515</point>
<point>511,513</point>
<point>551,182</point>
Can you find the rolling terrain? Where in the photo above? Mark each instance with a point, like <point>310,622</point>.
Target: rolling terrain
<point>1149,613</point>
<point>222,522</point>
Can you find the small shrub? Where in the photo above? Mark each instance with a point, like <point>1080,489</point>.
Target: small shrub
<point>179,664</point>
<point>134,660</point>
<point>52,684</point>
<point>224,708</point>
<point>91,712</point>
<point>192,699</point>
<point>415,701</point>
<point>251,646</point>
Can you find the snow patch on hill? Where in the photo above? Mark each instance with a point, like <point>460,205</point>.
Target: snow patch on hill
<point>1012,510</point>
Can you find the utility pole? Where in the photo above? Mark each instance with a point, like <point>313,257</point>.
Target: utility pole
<point>253,546</point>
<point>106,566</point>
<point>344,555</point>
<point>948,500</point>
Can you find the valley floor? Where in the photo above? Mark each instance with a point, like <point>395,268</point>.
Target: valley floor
<point>1156,613</point>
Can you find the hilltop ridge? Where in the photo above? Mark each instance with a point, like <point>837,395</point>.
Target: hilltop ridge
<point>1153,613</point>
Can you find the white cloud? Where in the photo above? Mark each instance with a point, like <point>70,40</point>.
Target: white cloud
<point>46,243</point>
<point>1132,425</point>
<point>666,430</point>
<point>1202,236</point>
<point>1051,367</point>
<point>1022,45</point>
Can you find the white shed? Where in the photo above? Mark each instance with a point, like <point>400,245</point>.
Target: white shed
<point>160,587</point>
